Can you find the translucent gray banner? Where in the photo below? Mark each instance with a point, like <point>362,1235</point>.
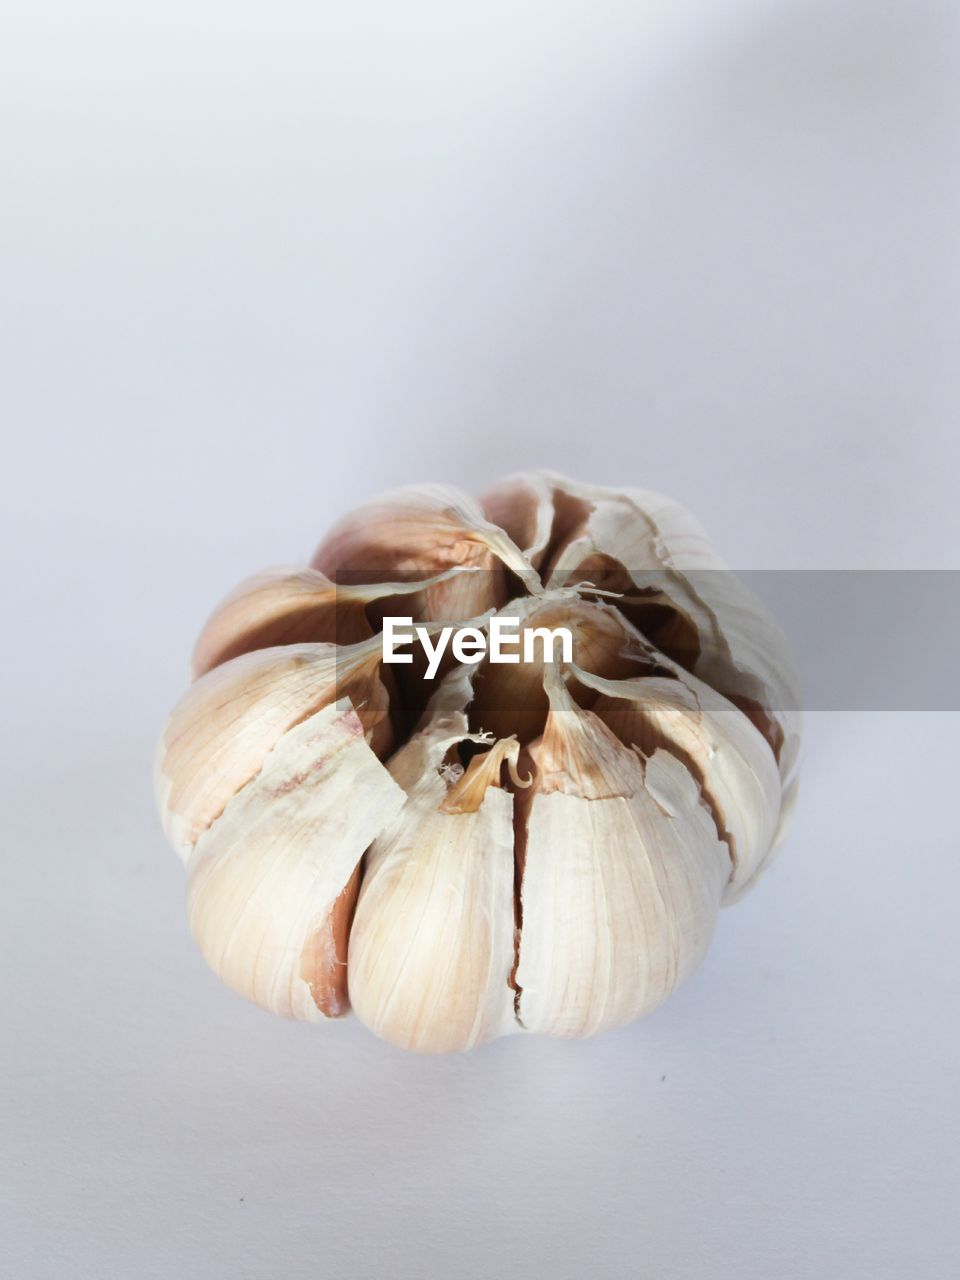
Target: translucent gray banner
<point>868,640</point>
<point>862,640</point>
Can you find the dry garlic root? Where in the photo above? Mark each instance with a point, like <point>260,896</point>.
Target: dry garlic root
<point>537,845</point>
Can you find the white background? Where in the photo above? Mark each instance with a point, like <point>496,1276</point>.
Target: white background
<point>262,260</point>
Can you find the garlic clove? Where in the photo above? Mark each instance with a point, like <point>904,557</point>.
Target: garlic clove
<point>523,506</point>
<point>219,732</point>
<point>272,882</point>
<point>510,697</point>
<point>279,607</point>
<point>296,606</point>
<point>622,877</point>
<point>723,751</point>
<point>788,806</point>
<point>710,620</point>
<point>432,943</point>
<point>417,532</point>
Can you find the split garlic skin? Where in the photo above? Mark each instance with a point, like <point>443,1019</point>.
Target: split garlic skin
<point>540,846</point>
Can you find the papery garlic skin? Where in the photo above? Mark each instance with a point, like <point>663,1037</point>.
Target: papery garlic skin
<point>218,734</point>
<point>540,847</point>
<point>720,748</point>
<point>432,944</point>
<point>623,872</point>
<point>269,884</point>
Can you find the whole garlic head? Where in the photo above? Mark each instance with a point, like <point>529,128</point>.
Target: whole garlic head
<point>538,845</point>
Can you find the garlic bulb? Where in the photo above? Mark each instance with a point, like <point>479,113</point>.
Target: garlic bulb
<point>462,842</point>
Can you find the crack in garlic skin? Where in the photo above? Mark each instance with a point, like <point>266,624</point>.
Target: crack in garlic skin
<point>524,847</point>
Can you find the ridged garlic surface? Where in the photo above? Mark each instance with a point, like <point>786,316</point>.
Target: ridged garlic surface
<point>533,846</point>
